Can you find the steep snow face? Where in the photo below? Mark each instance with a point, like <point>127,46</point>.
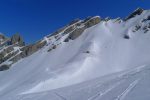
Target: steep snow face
<point>108,47</point>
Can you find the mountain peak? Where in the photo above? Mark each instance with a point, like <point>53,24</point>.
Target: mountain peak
<point>16,38</point>
<point>138,11</point>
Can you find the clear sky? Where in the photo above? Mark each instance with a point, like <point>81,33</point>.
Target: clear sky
<point>34,19</point>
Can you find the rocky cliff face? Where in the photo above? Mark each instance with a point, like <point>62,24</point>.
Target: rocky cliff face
<point>13,49</point>
<point>138,11</point>
<point>78,28</point>
<point>9,48</point>
<point>17,39</point>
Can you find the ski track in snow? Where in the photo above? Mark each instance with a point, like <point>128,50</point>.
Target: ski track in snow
<point>100,94</point>
<point>60,96</point>
<point>127,91</point>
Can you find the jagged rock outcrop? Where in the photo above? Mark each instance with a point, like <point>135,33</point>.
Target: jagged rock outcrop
<point>6,53</point>
<point>16,38</point>
<point>30,49</point>
<point>66,29</point>
<point>138,11</point>
<point>77,29</point>
<point>9,48</point>
<point>92,21</point>
<point>76,33</point>
<point>57,31</point>
<point>11,55</point>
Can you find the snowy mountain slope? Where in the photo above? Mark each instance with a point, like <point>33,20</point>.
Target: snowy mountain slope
<point>108,47</point>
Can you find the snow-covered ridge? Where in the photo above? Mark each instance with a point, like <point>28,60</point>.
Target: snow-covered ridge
<point>67,63</point>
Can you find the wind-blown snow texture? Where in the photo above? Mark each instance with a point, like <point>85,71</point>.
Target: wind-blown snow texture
<point>101,64</point>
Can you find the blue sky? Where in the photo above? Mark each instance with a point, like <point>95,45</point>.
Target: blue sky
<point>34,19</point>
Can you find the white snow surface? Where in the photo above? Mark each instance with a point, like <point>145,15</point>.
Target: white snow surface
<point>114,68</point>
